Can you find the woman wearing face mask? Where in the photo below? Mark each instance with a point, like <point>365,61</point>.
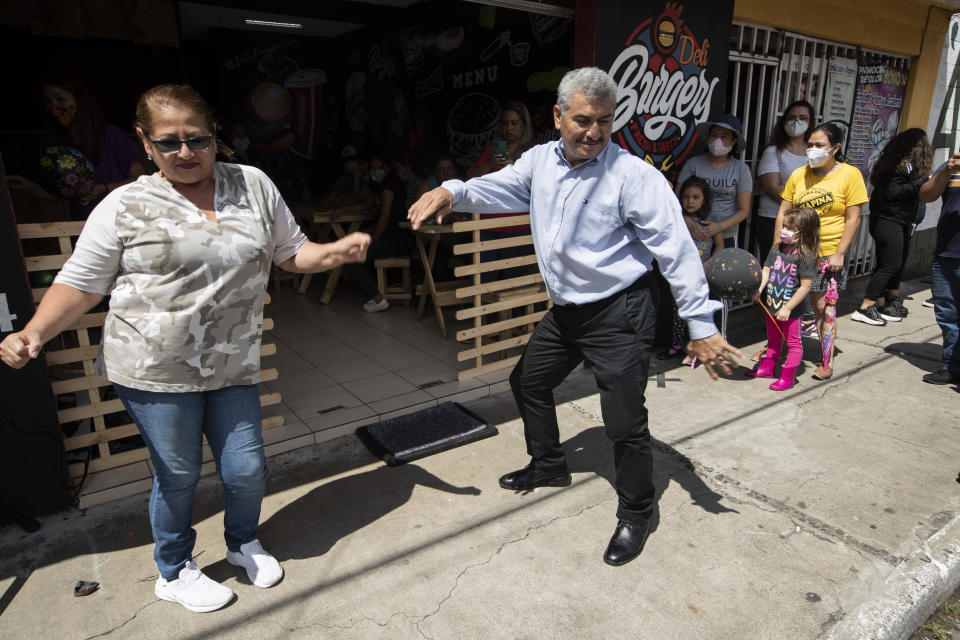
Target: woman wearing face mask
<point>731,185</point>
<point>836,191</point>
<point>786,153</point>
<point>74,120</point>
<point>389,240</point>
<point>902,168</point>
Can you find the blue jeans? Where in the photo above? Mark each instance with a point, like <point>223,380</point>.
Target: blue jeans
<point>946,296</point>
<point>173,426</point>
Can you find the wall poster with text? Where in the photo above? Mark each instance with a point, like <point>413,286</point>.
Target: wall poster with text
<point>876,111</point>
<point>669,60</point>
<point>839,94</point>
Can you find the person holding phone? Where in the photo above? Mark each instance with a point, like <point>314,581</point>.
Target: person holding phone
<point>945,184</point>
<point>516,130</point>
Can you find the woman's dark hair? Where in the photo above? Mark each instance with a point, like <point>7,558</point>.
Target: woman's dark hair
<point>834,136</point>
<point>177,96</point>
<point>807,223</point>
<point>90,119</point>
<point>704,186</point>
<point>907,146</point>
<point>780,138</point>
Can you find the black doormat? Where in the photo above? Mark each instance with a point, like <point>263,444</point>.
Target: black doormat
<point>423,433</point>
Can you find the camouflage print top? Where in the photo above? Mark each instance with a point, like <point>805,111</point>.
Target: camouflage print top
<point>187,310</point>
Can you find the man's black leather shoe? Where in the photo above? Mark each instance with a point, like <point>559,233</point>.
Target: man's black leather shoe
<point>530,478</point>
<point>627,542</point>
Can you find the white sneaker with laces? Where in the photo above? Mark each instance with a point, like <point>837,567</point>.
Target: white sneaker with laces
<point>372,306</point>
<point>262,568</point>
<point>193,590</point>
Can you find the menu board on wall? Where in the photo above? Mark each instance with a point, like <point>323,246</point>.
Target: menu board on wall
<point>669,60</point>
<point>840,90</point>
<point>876,112</point>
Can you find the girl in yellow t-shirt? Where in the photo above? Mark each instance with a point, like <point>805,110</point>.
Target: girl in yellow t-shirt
<point>836,191</point>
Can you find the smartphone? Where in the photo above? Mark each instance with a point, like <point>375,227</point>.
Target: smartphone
<point>499,147</point>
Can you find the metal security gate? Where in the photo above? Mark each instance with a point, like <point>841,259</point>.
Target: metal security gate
<point>770,68</point>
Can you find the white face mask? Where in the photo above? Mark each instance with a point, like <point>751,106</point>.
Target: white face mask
<point>816,157</point>
<point>241,144</point>
<point>795,127</point>
<point>717,147</point>
<point>788,237</point>
<point>378,174</point>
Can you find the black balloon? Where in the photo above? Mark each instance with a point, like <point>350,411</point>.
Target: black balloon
<point>733,274</point>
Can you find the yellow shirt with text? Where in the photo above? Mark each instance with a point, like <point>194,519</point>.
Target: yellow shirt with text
<point>829,196</point>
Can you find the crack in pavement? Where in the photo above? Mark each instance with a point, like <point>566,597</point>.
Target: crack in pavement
<point>828,386</point>
<point>803,520</point>
<point>717,479</point>
<point>352,625</point>
<point>124,623</point>
<point>893,437</point>
<point>490,558</point>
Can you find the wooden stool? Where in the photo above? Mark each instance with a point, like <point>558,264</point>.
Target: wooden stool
<point>400,292</point>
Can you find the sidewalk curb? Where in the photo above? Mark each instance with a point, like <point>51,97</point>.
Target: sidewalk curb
<point>913,591</point>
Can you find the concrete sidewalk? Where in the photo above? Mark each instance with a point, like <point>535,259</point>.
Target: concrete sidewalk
<point>826,511</point>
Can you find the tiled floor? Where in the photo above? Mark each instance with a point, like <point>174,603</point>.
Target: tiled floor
<point>341,367</point>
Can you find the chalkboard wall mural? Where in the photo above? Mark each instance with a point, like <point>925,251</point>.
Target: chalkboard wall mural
<point>432,85</point>
<point>453,71</point>
<point>273,90</point>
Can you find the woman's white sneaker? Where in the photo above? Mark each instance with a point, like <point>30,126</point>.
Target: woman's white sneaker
<point>372,306</point>
<point>262,568</point>
<point>193,590</point>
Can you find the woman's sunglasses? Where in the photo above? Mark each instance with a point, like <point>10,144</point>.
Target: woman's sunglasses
<point>170,145</point>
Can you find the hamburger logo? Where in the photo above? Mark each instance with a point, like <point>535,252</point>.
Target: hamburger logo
<point>663,90</point>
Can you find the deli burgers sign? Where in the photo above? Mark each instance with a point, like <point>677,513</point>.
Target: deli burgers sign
<point>670,69</point>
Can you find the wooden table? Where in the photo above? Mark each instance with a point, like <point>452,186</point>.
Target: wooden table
<point>429,286</point>
<point>327,219</point>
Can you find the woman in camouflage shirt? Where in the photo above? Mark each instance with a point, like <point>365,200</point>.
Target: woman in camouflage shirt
<point>188,251</point>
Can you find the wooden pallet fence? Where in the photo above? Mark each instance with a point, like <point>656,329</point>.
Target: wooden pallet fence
<point>504,312</point>
<point>81,394</point>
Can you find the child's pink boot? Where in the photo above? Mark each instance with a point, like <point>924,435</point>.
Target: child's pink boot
<point>764,369</point>
<point>787,379</point>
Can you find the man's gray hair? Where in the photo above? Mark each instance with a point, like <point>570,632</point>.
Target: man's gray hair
<point>595,85</point>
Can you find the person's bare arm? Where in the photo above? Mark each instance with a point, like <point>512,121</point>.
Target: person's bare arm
<point>785,206</point>
<point>935,186</point>
<point>851,220</point>
<point>436,202</point>
<point>713,351</point>
<point>386,202</point>
<point>770,183</point>
<point>739,215</point>
<point>313,256</point>
<point>60,307</point>
<point>798,296</point>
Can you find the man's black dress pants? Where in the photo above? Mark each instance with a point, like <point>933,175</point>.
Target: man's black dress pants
<point>614,337</point>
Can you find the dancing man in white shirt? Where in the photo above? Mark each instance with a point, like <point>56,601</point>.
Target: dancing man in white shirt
<point>599,217</point>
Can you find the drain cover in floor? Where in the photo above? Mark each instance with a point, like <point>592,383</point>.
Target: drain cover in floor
<point>423,433</point>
